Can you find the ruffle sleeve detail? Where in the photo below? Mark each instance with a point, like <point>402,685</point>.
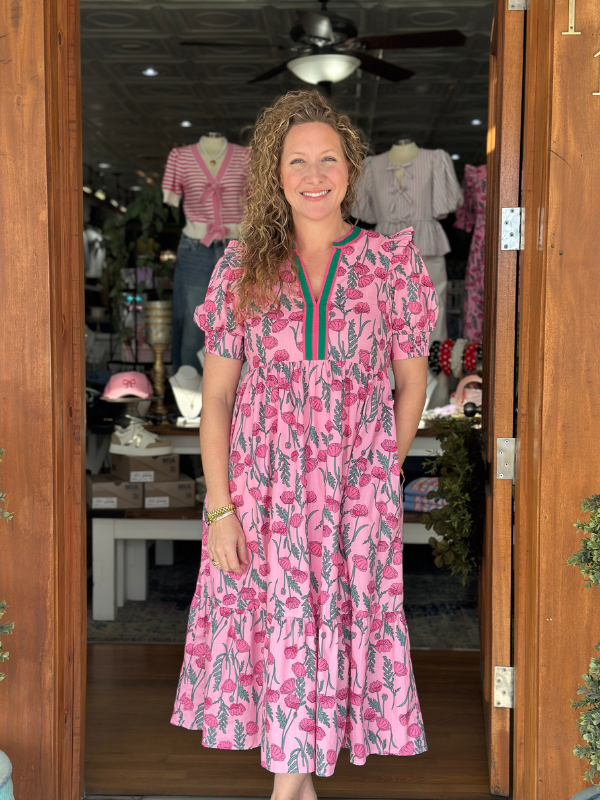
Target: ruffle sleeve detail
<point>224,334</point>
<point>447,194</point>
<point>414,301</point>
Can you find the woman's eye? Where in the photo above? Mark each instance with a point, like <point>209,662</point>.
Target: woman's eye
<point>329,158</point>
<point>296,161</point>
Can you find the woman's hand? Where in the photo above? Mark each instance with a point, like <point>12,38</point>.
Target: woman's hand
<point>227,544</point>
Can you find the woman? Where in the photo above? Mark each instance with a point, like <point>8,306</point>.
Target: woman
<point>297,640</point>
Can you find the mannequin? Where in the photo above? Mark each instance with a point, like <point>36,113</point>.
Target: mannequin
<point>413,187</point>
<point>210,175</point>
<point>187,389</point>
<point>402,152</point>
<point>212,148</point>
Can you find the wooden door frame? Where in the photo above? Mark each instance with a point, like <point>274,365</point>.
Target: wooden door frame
<point>42,552</point>
<point>558,460</point>
<point>503,180</point>
<point>42,390</point>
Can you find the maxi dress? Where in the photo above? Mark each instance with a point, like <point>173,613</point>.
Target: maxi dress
<point>308,651</point>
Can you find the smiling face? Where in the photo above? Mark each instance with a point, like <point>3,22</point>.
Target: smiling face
<point>313,171</point>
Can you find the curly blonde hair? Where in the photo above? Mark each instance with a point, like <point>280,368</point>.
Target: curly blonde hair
<point>267,228</point>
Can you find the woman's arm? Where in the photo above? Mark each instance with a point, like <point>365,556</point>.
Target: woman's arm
<point>410,375</point>
<point>226,540</point>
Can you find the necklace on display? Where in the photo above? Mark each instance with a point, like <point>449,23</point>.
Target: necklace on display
<point>192,397</point>
<point>212,159</point>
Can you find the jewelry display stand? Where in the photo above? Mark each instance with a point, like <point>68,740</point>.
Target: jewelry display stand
<point>187,389</point>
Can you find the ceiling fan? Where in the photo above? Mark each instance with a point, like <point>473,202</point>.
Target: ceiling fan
<point>327,48</point>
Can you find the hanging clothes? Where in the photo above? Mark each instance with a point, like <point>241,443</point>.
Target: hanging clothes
<point>213,206</point>
<point>428,192</point>
<point>471,217</point>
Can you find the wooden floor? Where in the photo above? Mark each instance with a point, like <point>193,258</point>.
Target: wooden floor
<point>132,749</point>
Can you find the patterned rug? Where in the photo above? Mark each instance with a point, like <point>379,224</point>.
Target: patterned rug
<point>441,613</point>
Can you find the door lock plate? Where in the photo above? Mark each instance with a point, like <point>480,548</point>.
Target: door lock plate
<point>504,687</point>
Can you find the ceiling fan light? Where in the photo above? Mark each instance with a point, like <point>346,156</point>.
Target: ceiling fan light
<point>324,68</point>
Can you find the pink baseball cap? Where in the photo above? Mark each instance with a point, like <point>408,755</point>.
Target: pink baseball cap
<point>124,384</point>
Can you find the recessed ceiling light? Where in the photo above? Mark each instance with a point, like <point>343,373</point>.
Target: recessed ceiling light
<point>150,72</point>
<point>186,123</point>
<point>100,194</point>
<point>455,157</point>
<point>103,165</point>
<point>476,122</point>
<point>135,188</point>
<point>87,189</point>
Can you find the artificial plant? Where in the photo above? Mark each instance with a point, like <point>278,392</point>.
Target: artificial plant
<point>460,468</point>
<point>145,217</point>
<point>588,561</point>
<point>5,627</point>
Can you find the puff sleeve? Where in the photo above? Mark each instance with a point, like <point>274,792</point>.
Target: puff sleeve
<point>172,182</point>
<point>447,194</point>
<point>363,207</point>
<point>413,299</point>
<point>224,335</point>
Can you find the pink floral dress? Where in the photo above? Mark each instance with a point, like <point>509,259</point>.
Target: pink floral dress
<point>308,650</point>
<point>471,217</point>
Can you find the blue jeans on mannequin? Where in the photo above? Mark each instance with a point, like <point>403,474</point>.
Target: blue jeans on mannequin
<point>193,270</point>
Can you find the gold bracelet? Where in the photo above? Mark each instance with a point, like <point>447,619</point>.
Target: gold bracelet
<point>212,515</point>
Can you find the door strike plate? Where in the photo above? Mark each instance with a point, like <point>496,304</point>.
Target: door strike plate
<point>518,5</point>
<point>511,232</point>
<point>505,459</point>
<point>504,687</point>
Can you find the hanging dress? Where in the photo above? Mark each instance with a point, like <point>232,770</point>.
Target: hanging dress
<point>471,217</point>
<point>308,650</point>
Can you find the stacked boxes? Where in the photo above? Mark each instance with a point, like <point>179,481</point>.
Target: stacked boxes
<point>141,482</point>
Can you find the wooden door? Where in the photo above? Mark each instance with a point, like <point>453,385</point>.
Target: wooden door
<point>499,336</point>
<point>42,551</point>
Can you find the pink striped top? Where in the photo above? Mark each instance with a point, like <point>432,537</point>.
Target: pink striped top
<point>429,192</point>
<point>215,200</point>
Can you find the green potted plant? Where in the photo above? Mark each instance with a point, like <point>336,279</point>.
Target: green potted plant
<point>6,791</point>
<point>461,471</point>
<point>587,559</point>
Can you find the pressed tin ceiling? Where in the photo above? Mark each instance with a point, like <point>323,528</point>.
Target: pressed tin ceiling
<point>132,121</point>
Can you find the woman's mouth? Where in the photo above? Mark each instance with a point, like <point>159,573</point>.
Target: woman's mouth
<point>316,194</point>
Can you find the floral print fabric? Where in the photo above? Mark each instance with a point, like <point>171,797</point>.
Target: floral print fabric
<point>308,650</point>
<point>471,217</point>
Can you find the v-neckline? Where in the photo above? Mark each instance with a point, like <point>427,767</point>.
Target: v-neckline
<point>329,272</point>
<point>315,311</point>
<point>204,167</point>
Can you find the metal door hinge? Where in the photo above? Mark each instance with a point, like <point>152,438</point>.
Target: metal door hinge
<point>512,233</point>
<point>504,688</point>
<point>505,459</point>
<point>518,5</point>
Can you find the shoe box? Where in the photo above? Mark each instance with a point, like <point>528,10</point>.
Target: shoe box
<point>107,492</point>
<point>145,469</point>
<point>170,494</point>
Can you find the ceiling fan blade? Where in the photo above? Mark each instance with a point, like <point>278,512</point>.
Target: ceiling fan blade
<point>270,73</point>
<point>232,44</point>
<point>316,25</point>
<point>396,41</point>
<point>382,68</point>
